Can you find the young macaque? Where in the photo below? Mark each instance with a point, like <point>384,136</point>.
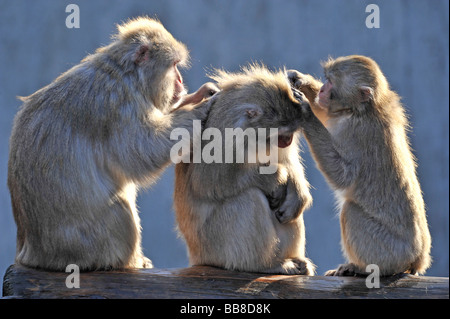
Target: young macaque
<point>81,146</point>
<point>231,214</point>
<point>365,155</point>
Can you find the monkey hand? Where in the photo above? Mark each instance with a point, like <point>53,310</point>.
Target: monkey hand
<point>190,101</point>
<point>306,84</point>
<point>291,207</point>
<point>289,210</point>
<point>207,90</point>
<point>295,78</point>
<point>277,197</point>
<point>304,103</point>
<point>199,103</point>
<point>298,80</point>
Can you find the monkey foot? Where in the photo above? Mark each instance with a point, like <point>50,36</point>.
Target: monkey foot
<point>295,266</point>
<point>146,263</point>
<point>305,267</point>
<point>345,270</point>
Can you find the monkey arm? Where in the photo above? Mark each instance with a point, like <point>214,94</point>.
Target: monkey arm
<point>295,200</point>
<point>287,200</point>
<point>310,87</point>
<point>339,170</point>
<point>291,195</point>
<point>143,150</point>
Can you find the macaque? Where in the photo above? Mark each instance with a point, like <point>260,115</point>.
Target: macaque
<point>230,214</point>
<point>82,146</point>
<point>364,154</point>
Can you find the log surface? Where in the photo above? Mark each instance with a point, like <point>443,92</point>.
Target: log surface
<point>212,283</point>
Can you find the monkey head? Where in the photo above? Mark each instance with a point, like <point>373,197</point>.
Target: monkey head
<point>256,98</point>
<point>151,57</point>
<point>354,84</point>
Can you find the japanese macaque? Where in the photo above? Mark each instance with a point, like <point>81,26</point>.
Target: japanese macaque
<point>81,146</point>
<point>230,214</point>
<point>364,154</point>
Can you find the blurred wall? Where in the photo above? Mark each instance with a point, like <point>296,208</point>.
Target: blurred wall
<point>411,47</point>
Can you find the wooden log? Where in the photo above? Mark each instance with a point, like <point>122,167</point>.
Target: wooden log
<point>211,283</point>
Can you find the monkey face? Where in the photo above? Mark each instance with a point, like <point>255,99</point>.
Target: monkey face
<point>351,85</point>
<point>325,94</point>
<point>333,100</point>
<point>156,56</point>
<point>170,89</point>
<point>176,89</point>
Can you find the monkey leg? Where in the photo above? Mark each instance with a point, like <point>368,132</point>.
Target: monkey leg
<point>292,243</point>
<point>113,243</point>
<point>367,240</point>
<point>128,249</point>
<point>240,234</point>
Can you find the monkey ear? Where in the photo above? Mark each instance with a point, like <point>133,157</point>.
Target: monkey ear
<point>366,93</point>
<point>141,54</point>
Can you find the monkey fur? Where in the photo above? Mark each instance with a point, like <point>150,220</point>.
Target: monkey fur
<point>365,155</point>
<point>82,146</point>
<point>229,214</point>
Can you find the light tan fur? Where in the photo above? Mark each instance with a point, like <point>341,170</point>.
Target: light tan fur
<point>230,214</point>
<point>82,146</point>
<point>365,155</point>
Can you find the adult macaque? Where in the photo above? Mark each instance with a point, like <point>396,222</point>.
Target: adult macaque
<point>230,214</point>
<point>81,146</point>
<point>364,154</point>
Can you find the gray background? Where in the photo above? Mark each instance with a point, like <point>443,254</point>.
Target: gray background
<point>411,47</point>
